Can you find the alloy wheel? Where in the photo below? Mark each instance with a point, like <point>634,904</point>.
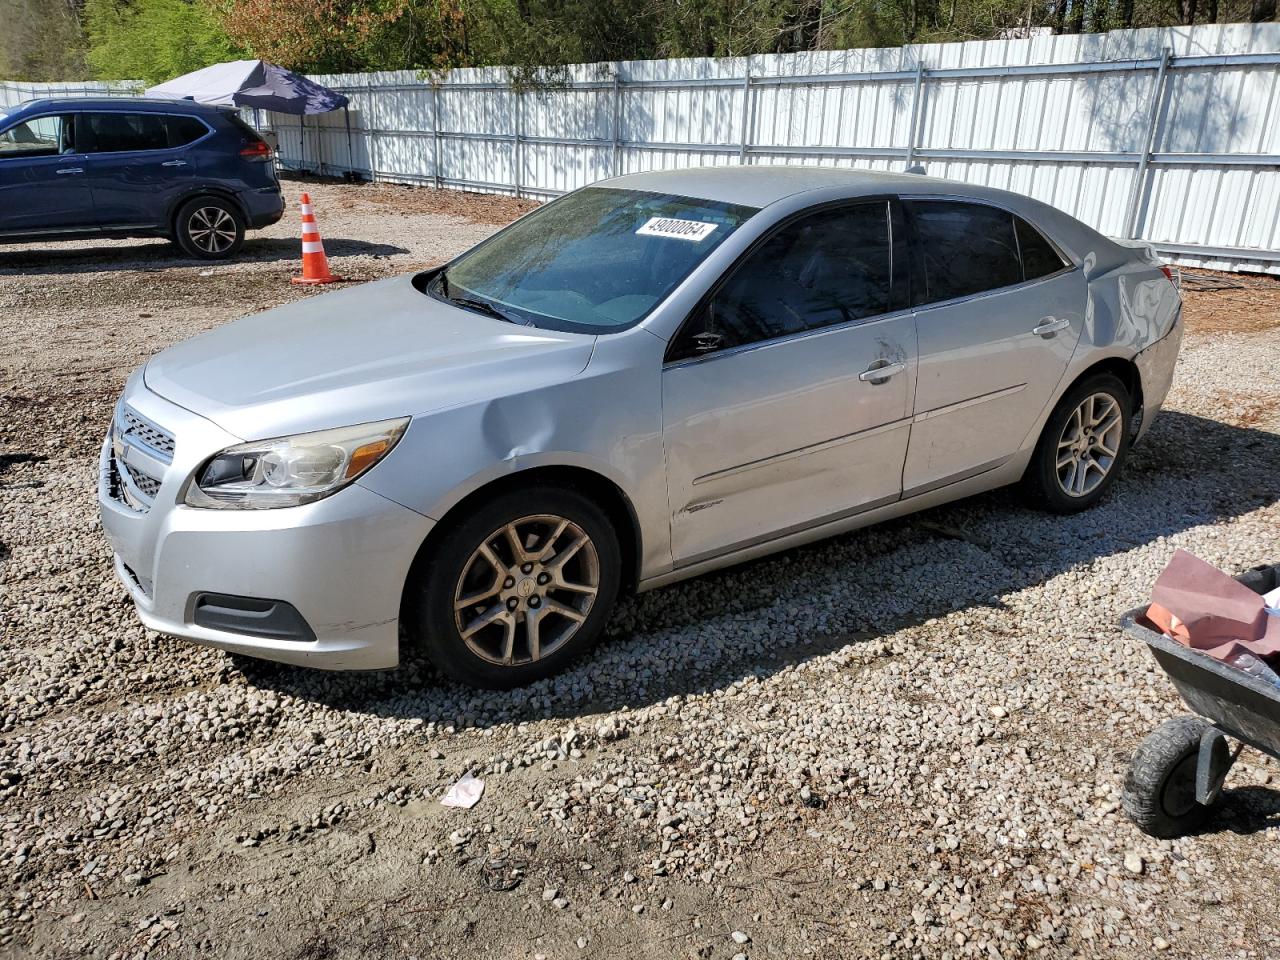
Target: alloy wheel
<point>1089,444</point>
<point>526,590</point>
<point>212,229</point>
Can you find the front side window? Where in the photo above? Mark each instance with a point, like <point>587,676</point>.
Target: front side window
<point>826,268</point>
<point>122,132</point>
<point>39,137</point>
<point>966,248</point>
<point>596,261</point>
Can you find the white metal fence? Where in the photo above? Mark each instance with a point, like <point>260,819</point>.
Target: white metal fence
<point>1171,135</point>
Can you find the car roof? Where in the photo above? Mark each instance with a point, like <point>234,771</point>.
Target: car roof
<point>116,105</point>
<point>759,185</point>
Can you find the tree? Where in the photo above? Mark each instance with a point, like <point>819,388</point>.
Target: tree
<point>154,40</point>
<point>42,40</point>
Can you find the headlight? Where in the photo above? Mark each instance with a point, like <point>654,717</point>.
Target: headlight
<point>292,470</point>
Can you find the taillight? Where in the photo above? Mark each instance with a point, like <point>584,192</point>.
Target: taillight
<point>1167,271</point>
<point>258,150</point>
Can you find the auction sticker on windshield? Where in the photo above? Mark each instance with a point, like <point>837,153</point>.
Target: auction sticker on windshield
<point>694,230</point>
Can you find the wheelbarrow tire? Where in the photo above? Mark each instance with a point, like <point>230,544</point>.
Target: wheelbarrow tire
<point>1160,790</point>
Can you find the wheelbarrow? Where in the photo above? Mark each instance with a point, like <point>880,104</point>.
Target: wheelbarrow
<point>1177,773</point>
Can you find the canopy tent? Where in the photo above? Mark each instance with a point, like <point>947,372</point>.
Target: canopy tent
<point>257,84</point>
<point>252,83</point>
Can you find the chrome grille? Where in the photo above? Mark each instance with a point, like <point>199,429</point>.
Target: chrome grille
<point>151,435</point>
<point>140,454</point>
<point>148,485</point>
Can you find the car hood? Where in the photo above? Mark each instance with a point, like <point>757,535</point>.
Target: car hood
<point>364,353</point>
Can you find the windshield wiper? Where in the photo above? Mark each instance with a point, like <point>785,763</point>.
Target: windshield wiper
<point>480,306</point>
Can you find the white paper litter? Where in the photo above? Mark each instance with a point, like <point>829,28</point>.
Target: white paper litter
<point>465,793</point>
<point>1272,599</point>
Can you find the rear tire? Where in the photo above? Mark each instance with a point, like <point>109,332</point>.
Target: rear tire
<point>209,228</point>
<point>1082,448</point>
<point>540,568</point>
<point>1160,790</point>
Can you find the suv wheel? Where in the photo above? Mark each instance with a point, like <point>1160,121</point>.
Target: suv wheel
<point>209,228</point>
<point>1083,446</point>
<point>519,588</point>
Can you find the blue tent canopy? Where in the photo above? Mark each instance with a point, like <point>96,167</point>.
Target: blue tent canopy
<point>252,83</point>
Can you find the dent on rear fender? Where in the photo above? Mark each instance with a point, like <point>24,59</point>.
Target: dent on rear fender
<point>1127,307</point>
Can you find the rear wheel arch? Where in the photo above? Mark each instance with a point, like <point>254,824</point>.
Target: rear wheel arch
<point>219,193</point>
<point>1124,369</point>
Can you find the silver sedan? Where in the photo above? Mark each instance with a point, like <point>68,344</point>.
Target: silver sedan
<point>647,379</point>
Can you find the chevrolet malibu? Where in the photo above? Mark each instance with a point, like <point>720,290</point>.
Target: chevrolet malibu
<point>642,381</point>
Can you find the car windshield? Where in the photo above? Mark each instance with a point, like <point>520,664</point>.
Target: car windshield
<point>596,261</point>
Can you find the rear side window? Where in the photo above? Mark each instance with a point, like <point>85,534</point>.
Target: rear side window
<point>827,268</point>
<point>1039,259</point>
<point>39,137</point>
<point>119,132</point>
<point>966,248</point>
<point>184,130</point>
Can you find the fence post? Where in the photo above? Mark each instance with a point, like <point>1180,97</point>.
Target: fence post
<point>435,132</point>
<point>746,113</point>
<point>913,135</point>
<point>617,121</point>
<point>1137,213</point>
<point>517,150</point>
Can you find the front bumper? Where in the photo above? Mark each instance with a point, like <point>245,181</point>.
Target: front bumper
<point>341,561</point>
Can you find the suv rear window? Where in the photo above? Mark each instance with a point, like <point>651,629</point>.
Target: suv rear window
<point>184,130</point>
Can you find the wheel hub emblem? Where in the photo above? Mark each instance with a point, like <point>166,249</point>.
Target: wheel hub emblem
<point>525,588</point>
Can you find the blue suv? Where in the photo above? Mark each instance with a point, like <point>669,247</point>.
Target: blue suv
<point>134,167</point>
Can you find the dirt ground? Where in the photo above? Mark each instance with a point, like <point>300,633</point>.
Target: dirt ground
<point>161,799</point>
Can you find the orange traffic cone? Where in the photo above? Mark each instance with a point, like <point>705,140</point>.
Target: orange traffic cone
<point>315,265</point>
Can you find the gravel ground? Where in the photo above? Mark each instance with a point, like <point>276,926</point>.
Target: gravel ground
<point>908,741</point>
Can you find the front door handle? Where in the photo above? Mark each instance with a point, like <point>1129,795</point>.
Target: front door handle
<point>65,170</point>
<point>881,371</point>
<point>1050,325</point>
<point>174,163</point>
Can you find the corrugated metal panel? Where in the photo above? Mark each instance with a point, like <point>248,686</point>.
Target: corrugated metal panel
<point>1066,119</point>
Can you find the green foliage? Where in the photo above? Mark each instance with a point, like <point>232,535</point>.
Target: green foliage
<point>154,40</point>
<point>41,40</point>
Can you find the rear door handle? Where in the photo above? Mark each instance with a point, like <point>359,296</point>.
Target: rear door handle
<point>65,170</point>
<point>1050,325</point>
<point>881,370</point>
<point>174,163</point>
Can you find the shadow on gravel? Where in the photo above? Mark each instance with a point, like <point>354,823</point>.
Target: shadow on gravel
<point>1245,810</point>
<point>761,617</point>
<point>149,255</point>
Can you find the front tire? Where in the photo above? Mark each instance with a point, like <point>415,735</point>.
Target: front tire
<point>518,588</point>
<point>209,228</point>
<point>1083,446</point>
<point>1160,789</point>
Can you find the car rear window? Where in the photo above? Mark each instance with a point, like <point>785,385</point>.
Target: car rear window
<point>1039,258</point>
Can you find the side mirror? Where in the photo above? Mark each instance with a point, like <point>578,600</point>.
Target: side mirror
<point>706,342</point>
